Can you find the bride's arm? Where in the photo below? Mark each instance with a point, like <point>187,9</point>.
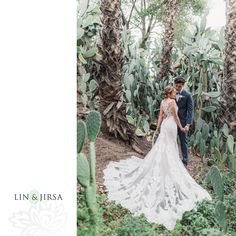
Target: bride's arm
<point>176,117</point>
<point>160,118</point>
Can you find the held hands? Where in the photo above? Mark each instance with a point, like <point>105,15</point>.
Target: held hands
<point>185,129</point>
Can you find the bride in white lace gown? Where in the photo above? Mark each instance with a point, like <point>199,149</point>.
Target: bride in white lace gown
<point>159,186</point>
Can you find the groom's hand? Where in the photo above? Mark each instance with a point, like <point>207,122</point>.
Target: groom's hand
<point>186,128</point>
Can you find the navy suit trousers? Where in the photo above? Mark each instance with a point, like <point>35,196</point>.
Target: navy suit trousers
<point>184,144</point>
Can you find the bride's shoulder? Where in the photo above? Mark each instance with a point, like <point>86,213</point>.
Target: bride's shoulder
<point>163,101</point>
<point>172,103</point>
<point>167,102</point>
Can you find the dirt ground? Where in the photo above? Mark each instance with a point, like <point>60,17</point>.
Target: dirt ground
<point>112,149</point>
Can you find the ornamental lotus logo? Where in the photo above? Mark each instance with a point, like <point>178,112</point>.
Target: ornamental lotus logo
<point>42,219</point>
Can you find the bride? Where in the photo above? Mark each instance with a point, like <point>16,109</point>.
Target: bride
<point>158,186</point>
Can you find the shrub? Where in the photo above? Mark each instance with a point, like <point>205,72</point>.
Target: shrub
<point>135,226</point>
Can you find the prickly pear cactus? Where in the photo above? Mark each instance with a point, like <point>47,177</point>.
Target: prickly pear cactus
<point>220,214</point>
<point>216,181</point>
<point>93,125</point>
<point>205,131</point>
<point>81,135</point>
<point>83,174</point>
<point>214,177</point>
<point>86,167</point>
<point>230,144</point>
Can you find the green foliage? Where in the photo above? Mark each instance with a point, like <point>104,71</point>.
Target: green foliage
<point>201,63</point>
<point>114,212</point>
<point>88,26</point>
<point>141,93</point>
<point>135,226</point>
<point>210,217</point>
<point>225,130</point>
<point>84,226</point>
<point>221,215</point>
<point>216,181</point>
<point>230,203</point>
<point>229,182</point>
<point>210,232</point>
<point>83,170</point>
<point>86,169</point>
<point>187,9</point>
<point>81,133</point>
<point>194,223</point>
<point>207,209</point>
<point>204,221</point>
<point>224,215</point>
<point>90,195</point>
<point>205,131</point>
<point>230,144</point>
<point>93,125</point>
<point>153,11</point>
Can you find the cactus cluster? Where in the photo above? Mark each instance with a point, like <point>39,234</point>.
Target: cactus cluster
<point>199,139</point>
<point>218,143</point>
<point>86,167</point>
<point>215,178</point>
<point>231,148</point>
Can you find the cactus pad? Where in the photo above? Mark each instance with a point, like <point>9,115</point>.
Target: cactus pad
<point>220,214</point>
<point>216,181</point>
<point>91,195</point>
<point>83,174</point>
<point>81,134</point>
<point>93,125</point>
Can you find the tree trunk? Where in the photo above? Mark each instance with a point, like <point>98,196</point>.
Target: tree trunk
<point>229,81</point>
<point>170,12</point>
<point>109,74</point>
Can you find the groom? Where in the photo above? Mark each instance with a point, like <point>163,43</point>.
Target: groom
<point>185,105</point>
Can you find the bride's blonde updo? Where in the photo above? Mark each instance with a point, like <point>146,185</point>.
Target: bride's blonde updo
<point>168,90</point>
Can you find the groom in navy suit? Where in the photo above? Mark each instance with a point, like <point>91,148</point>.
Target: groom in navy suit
<point>185,105</point>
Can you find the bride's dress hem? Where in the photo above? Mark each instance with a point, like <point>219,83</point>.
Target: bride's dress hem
<point>169,221</point>
<point>158,186</point>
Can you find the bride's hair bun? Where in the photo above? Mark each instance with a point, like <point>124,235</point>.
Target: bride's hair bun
<point>168,90</point>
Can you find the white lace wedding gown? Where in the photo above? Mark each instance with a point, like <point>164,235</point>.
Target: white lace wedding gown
<point>159,186</point>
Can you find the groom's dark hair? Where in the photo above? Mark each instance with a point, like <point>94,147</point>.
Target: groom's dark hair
<point>179,79</point>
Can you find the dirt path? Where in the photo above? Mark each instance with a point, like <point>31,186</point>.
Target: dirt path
<point>111,149</point>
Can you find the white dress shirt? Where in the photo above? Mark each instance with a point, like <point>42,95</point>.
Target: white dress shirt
<point>178,94</point>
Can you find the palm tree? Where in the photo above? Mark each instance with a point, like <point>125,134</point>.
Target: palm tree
<point>170,12</point>
<point>229,82</point>
<point>109,74</point>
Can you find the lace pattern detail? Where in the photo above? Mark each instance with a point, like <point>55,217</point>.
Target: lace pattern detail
<point>166,106</point>
<point>158,186</point>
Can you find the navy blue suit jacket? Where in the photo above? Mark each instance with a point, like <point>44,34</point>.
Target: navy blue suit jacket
<point>186,108</point>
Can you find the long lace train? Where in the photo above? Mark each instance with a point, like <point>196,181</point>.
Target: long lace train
<point>159,186</point>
